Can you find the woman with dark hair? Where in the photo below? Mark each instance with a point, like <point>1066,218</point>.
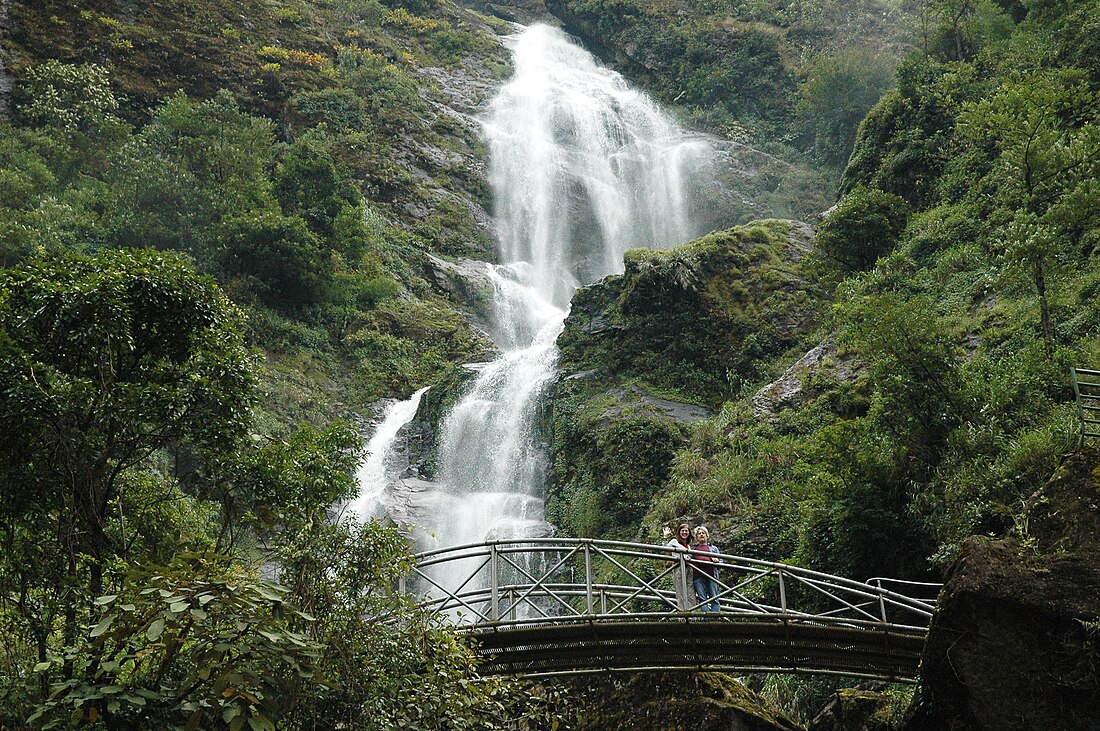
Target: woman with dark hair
<point>705,569</point>
<point>682,542</point>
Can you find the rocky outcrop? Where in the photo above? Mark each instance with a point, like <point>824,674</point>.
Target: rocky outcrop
<point>649,352</point>
<point>697,319</point>
<point>856,709</point>
<point>465,282</point>
<point>1015,643</point>
<point>517,11</point>
<point>794,388</point>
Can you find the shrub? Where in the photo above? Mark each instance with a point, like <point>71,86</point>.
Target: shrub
<point>865,225</point>
<point>281,259</point>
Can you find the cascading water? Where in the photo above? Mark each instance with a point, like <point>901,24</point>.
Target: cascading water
<point>377,471</point>
<point>582,168</point>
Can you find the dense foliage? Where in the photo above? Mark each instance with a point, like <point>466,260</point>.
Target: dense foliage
<point>285,189</point>
<point>169,558</point>
<point>958,275</point>
<point>784,76</point>
<point>142,527</point>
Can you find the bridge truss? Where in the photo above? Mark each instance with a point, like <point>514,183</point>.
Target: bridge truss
<point>555,606</point>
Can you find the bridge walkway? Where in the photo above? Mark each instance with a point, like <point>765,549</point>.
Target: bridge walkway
<point>569,606</point>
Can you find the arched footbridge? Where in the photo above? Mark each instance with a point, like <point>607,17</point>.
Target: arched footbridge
<point>553,606</point>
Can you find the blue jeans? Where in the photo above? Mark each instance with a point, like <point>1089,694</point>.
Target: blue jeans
<point>706,588</point>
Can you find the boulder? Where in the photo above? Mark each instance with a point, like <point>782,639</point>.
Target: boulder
<point>465,282</point>
<point>1015,642</point>
<point>856,709</point>
<point>792,389</point>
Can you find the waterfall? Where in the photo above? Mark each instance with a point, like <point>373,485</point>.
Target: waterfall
<point>582,168</point>
<point>378,470</point>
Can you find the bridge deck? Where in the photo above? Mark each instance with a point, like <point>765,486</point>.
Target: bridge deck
<point>698,643</point>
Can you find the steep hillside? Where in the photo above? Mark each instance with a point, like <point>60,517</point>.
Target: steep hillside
<point>338,138</point>
<point>931,396</point>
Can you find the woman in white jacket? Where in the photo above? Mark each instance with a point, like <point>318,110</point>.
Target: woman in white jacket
<point>681,571</point>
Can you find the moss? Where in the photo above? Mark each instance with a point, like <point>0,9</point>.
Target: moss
<point>697,319</point>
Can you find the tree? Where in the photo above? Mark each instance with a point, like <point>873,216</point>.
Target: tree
<point>104,361</point>
<point>837,94</point>
<point>279,258</point>
<point>865,225</point>
<point>1042,124</point>
<point>69,97</point>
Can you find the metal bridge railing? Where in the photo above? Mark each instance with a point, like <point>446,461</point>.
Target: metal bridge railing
<point>1086,392</point>
<point>554,581</point>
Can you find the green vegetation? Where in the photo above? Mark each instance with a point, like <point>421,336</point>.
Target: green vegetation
<point>288,195</point>
<point>191,270</point>
<point>141,519</point>
<point>791,78</point>
<point>693,324</point>
<point>957,276</point>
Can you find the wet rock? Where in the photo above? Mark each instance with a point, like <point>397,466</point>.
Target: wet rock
<point>677,411</point>
<point>855,709</point>
<point>464,280</point>
<point>405,504</point>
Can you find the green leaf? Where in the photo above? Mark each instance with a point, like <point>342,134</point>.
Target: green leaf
<point>104,625</point>
<point>178,607</point>
<point>259,723</point>
<point>156,629</point>
<point>42,666</point>
<point>104,600</point>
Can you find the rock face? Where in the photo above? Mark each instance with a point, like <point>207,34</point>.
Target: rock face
<point>1015,643</point>
<point>649,352</point>
<point>794,389</point>
<point>465,282</point>
<point>855,709</point>
<point>696,318</point>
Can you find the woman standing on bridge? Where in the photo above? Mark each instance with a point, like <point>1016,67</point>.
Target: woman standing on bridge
<point>705,568</point>
<point>681,541</point>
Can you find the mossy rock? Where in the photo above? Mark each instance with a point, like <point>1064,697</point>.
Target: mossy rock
<point>699,319</point>
<point>611,453</point>
<point>857,709</point>
<point>1015,641</point>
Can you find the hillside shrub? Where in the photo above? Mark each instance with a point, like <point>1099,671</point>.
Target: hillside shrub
<point>866,225</point>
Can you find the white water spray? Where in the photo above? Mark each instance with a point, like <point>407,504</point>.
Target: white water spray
<point>582,169</point>
<point>378,470</point>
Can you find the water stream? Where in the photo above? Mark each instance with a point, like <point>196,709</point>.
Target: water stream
<point>583,167</point>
